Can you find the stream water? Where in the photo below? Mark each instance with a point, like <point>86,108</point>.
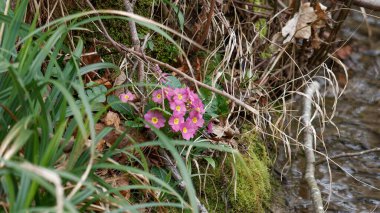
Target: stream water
<point>358,120</point>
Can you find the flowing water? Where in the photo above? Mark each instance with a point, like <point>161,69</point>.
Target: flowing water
<point>358,119</point>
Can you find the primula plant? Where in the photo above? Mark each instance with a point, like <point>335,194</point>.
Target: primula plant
<point>186,114</point>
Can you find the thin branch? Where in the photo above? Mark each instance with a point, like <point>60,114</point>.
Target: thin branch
<point>309,151</point>
<point>350,154</point>
<point>177,176</point>
<point>135,38</point>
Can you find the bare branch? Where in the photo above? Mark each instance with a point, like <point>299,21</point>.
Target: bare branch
<point>135,38</point>
<point>309,151</point>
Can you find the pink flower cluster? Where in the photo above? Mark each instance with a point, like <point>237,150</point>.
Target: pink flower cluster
<point>187,107</point>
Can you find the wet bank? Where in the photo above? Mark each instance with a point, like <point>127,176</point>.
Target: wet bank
<point>358,120</point>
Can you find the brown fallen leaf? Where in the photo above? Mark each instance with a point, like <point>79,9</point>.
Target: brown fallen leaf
<point>119,80</point>
<point>112,119</point>
<point>299,26</point>
<point>324,18</point>
<point>120,181</point>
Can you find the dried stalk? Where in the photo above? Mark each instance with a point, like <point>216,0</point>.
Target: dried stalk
<point>350,154</point>
<point>308,146</point>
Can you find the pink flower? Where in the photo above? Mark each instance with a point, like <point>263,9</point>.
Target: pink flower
<point>179,95</point>
<point>178,109</point>
<point>175,122</point>
<point>195,118</point>
<point>158,96</point>
<point>187,130</point>
<point>198,106</point>
<point>191,96</point>
<point>168,91</point>
<point>126,97</point>
<point>155,118</point>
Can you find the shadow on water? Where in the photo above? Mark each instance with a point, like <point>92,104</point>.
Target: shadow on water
<point>358,120</point>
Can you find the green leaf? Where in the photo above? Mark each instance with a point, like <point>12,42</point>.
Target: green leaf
<point>210,161</point>
<point>117,105</point>
<point>97,93</point>
<point>173,82</point>
<point>134,124</point>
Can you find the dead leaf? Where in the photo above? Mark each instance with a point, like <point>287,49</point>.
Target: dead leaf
<point>101,146</point>
<point>119,80</point>
<point>112,119</point>
<point>299,26</point>
<point>120,181</point>
<point>324,18</point>
<point>104,81</point>
<point>218,131</point>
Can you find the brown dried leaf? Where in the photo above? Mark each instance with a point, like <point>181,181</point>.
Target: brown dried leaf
<point>112,119</point>
<point>119,80</point>
<point>218,131</point>
<point>299,26</point>
<point>119,182</point>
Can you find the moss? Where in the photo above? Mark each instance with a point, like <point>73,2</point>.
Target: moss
<point>118,29</point>
<point>240,184</point>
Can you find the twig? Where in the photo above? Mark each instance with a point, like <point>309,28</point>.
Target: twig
<point>182,185</point>
<point>135,38</point>
<point>309,151</point>
<point>350,154</point>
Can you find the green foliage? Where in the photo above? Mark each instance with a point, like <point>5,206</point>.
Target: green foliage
<point>240,184</point>
<point>47,121</point>
<point>176,9</point>
<point>173,82</point>
<point>118,106</point>
<point>96,93</point>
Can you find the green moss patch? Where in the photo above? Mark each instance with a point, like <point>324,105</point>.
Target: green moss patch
<point>240,183</point>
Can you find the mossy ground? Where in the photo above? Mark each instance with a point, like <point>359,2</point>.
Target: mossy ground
<point>158,47</point>
<point>240,184</point>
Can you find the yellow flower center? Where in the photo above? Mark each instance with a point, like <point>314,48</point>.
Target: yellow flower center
<point>158,96</point>
<point>154,120</point>
<point>184,130</point>
<point>179,96</point>
<point>126,97</point>
<point>178,108</point>
<point>195,120</point>
<point>176,121</point>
